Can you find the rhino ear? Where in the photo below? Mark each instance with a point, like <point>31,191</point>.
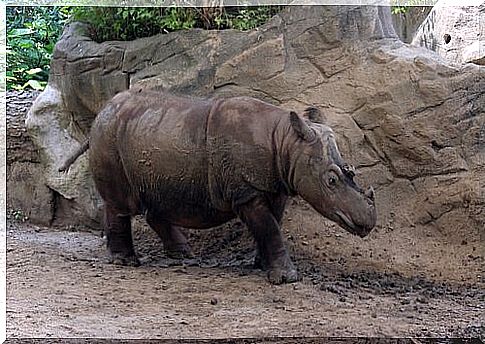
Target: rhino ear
<point>314,115</point>
<point>302,129</point>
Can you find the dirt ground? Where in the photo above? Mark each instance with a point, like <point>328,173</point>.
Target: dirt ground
<point>413,281</point>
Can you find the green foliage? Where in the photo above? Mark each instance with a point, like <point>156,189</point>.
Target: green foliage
<point>128,23</point>
<point>402,6</point>
<point>399,9</point>
<point>178,19</point>
<point>32,32</point>
<point>31,35</point>
<point>244,18</point>
<point>16,215</point>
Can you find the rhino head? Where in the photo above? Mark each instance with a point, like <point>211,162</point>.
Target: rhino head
<point>322,178</point>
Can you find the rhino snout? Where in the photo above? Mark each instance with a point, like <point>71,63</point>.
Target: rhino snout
<point>347,223</point>
<point>362,223</point>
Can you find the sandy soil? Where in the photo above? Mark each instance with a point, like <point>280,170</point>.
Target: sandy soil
<point>408,282</point>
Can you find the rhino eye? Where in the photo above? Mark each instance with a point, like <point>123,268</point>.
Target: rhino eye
<point>332,178</point>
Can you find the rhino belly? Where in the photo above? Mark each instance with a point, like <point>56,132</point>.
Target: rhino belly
<point>181,203</point>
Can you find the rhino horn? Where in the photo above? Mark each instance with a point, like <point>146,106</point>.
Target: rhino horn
<point>302,129</point>
<point>348,169</point>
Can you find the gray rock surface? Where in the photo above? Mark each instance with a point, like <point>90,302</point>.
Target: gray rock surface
<point>412,123</point>
<point>407,23</point>
<point>457,33</point>
<point>19,145</point>
<point>56,137</point>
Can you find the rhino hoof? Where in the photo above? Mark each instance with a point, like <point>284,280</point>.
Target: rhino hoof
<point>279,276</point>
<point>119,259</point>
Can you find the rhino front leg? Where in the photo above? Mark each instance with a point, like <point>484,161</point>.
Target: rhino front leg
<point>277,206</point>
<point>117,227</point>
<point>257,215</point>
<point>174,242</point>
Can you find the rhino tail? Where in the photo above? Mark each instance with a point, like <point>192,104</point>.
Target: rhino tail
<point>83,148</point>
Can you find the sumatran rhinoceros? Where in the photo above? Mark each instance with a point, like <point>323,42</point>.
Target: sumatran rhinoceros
<point>198,163</point>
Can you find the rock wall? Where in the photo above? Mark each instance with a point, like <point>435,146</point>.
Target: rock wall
<point>457,33</point>
<point>411,123</point>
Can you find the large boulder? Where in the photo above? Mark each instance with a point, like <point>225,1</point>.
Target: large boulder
<point>455,32</point>
<point>412,123</point>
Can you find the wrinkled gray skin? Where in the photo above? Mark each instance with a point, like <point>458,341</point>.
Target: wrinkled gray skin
<point>199,163</point>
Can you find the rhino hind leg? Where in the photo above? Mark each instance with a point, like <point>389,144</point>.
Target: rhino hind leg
<point>273,256</point>
<point>174,241</point>
<point>117,228</point>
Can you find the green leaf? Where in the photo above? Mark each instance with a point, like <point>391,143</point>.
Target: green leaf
<point>25,43</point>
<point>34,71</point>
<point>18,33</point>
<point>36,85</point>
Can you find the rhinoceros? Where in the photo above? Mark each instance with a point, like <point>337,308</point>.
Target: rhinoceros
<point>198,163</point>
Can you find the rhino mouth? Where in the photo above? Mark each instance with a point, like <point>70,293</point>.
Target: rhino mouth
<point>349,225</point>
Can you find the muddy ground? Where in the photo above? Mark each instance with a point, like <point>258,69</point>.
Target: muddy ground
<point>414,281</point>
